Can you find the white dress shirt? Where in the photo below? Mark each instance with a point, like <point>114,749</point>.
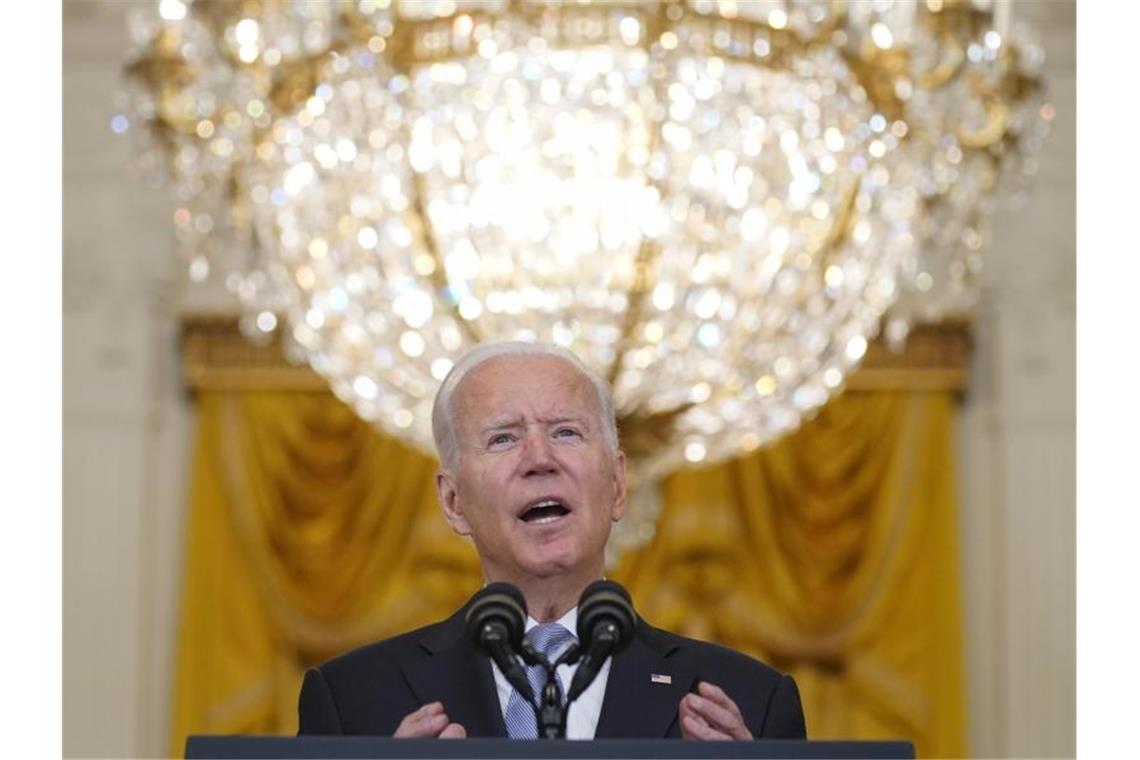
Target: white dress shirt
<point>582,718</point>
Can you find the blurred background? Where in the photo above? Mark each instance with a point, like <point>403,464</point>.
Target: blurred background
<point>902,543</point>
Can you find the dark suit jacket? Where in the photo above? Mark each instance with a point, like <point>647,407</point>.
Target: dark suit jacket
<point>369,690</point>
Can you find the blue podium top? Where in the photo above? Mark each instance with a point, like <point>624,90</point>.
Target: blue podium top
<point>287,748</point>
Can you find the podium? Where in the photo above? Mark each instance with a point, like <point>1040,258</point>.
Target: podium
<point>288,748</point>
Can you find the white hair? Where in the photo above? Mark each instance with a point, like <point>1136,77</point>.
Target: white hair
<point>442,423</point>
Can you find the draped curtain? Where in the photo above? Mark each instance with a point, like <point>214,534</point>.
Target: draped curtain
<point>831,554</point>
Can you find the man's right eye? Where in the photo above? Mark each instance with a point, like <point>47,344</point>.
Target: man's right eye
<point>500,438</point>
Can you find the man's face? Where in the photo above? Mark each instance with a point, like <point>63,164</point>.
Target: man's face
<point>534,484</point>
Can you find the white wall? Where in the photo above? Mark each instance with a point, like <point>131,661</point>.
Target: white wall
<point>127,432</point>
<point>126,421</point>
<point>1017,450</point>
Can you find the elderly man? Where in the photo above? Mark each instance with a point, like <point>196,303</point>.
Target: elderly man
<point>532,472</point>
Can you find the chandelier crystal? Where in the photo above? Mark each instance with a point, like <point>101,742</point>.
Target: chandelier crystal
<point>713,203</point>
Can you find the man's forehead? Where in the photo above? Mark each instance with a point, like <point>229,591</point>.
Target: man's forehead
<point>519,365</point>
<point>549,416</point>
<point>499,380</point>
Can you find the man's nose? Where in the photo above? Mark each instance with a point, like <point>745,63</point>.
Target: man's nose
<point>538,455</point>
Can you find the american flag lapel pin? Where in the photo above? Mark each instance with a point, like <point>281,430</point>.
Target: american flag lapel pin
<point>660,678</point>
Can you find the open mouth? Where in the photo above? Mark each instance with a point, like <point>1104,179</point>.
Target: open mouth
<point>545,511</point>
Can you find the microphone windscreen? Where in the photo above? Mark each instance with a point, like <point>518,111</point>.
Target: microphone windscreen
<point>605,600</point>
<point>499,602</point>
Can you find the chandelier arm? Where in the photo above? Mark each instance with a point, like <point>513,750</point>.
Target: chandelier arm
<point>997,122</point>
<point>835,21</point>
<point>996,98</point>
<point>357,31</point>
<point>842,225</point>
<point>218,15</point>
<point>404,50</point>
<point>297,80</point>
<point>656,24</point>
<point>165,72</point>
<point>647,255</point>
<point>644,433</point>
<point>948,67</point>
<point>786,44</point>
<point>421,231</point>
<point>648,252</point>
<point>876,76</point>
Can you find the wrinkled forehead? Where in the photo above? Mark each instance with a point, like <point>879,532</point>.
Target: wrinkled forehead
<point>520,384</point>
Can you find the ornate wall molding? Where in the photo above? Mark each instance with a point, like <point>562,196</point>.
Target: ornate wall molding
<point>217,357</point>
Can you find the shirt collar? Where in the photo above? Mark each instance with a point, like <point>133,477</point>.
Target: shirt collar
<point>569,621</point>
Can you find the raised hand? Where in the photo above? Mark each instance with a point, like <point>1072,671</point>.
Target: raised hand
<point>429,721</point>
<point>711,715</point>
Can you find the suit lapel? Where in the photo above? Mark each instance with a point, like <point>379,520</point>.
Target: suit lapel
<point>637,705</point>
<point>458,675</point>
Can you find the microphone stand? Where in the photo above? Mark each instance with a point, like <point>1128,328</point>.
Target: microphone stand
<point>549,712</point>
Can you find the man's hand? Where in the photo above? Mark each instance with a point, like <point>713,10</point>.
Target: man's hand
<point>711,715</point>
<point>429,721</point>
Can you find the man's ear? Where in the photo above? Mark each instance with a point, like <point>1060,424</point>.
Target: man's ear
<point>449,501</point>
<point>619,486</point>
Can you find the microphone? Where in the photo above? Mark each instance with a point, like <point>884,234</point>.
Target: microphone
<point>495,621</point>
<point>605,624</point>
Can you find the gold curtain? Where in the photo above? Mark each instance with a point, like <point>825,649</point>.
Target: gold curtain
<point>832,555</point>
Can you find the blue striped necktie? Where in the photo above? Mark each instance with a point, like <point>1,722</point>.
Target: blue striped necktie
<point>550,639</point>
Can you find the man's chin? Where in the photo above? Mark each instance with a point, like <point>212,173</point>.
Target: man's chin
<point>550,566</point>
<point>567,555</point>
<point>553,560</point>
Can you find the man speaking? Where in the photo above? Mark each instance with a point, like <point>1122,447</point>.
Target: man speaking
<point>532,472</point>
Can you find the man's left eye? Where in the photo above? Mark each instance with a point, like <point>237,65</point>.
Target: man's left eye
<point>567,432</point>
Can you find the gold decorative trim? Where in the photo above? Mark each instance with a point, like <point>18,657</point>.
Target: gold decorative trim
<point>936,358</point>
<point>217,357</point>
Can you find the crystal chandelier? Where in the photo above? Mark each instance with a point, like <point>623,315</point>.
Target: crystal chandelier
<point>714,203</point>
